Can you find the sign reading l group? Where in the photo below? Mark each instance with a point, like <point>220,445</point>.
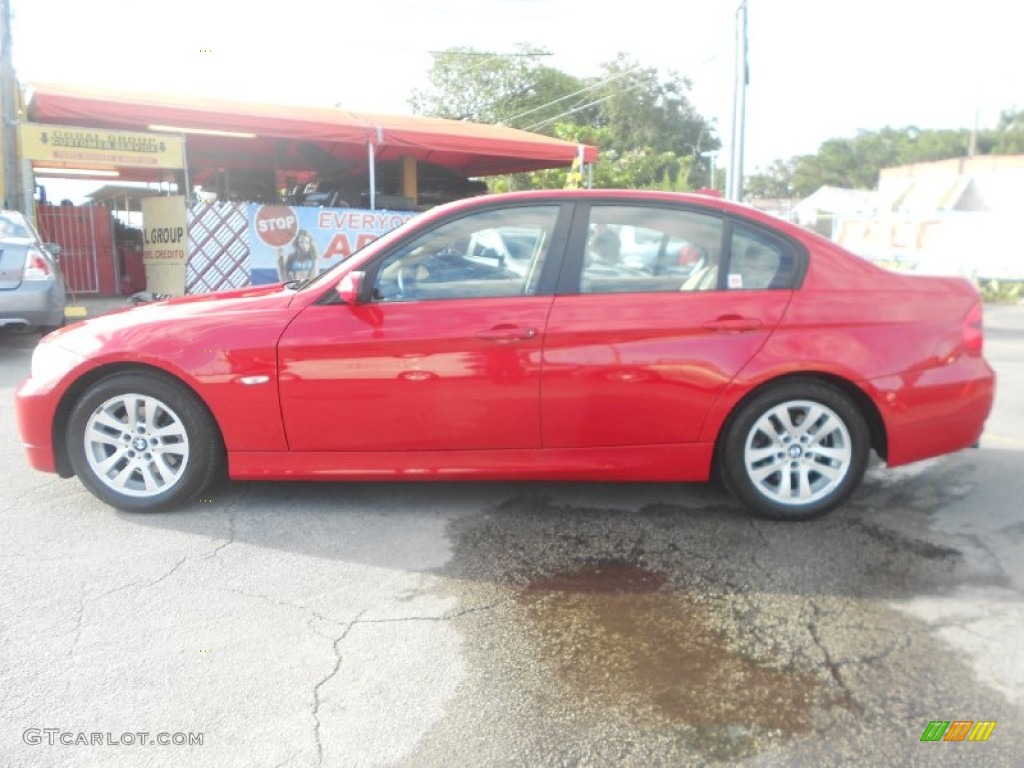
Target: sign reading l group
<point>165,244</point>
<point>68,146</point>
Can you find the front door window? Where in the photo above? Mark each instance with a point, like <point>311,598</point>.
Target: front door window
<point>485,255</point>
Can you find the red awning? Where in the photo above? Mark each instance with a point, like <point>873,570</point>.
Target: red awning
<point>290,138</point>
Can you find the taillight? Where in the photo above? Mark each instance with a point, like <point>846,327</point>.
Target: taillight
<point>972,330</point>
<point>37,266</point>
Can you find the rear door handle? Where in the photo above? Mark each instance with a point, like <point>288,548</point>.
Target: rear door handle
<point>503,334</point>
<point>733,323</point>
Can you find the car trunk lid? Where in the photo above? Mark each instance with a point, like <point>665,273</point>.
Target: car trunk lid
<point>12,264</point>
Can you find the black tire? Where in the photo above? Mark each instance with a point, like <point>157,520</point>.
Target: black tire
<point>136,465</point>
<point>783,468</point>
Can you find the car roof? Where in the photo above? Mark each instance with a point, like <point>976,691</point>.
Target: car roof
<point>689,199</point>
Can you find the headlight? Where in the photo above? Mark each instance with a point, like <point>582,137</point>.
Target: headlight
<point>51,361</point>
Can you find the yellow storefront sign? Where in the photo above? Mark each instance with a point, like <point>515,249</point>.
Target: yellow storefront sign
<point>165,244</point>
<point>69,146</point>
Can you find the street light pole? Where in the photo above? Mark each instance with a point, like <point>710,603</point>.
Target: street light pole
<point>734,186</point>
<point>711,154</point>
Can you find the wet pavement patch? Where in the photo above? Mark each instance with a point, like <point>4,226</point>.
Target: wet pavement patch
<point>615,633</point>
<point>663,634</point>
<point>897,542</point>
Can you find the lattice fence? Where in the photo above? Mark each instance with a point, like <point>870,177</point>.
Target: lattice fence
<point>218,247</point>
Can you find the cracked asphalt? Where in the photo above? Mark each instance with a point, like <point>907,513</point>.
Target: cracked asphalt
<point>533,624</point>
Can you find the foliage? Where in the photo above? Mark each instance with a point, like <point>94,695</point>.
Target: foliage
<point>1008,137</point>
<point>1001,291</point>
<point>466,84</point>
<point>641,110</point>
<point>855,162</point>
<point>648,133</point>
<point>641,168</point>
<point>774,183</point>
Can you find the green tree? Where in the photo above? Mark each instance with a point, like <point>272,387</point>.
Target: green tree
<point>645,127</point>
<point>856,162</point>
<point>1008,137</point>
<point>639,168</point>
<point>776,182</point>
<point>926,146</point>
<point>466,84</point>
<point>641,110</point>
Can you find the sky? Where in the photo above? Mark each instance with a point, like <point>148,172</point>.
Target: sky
<point>818,70</point>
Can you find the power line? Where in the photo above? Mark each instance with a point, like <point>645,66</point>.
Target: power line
<point>574,93</point>
<point>586,89</point>
<point>584,106</point>
<point>493,54</point>
<point>476,66</point>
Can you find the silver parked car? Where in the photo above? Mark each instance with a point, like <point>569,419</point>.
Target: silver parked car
<point>31,288</point>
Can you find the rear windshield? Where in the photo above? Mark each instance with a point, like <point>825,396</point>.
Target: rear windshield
<point>13,225</point>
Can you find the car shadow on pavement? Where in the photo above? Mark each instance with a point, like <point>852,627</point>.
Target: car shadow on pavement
<point>878,545</point>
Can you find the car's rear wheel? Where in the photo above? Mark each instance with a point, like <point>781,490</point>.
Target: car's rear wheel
<point>795,451</point>
<point>143,442</point>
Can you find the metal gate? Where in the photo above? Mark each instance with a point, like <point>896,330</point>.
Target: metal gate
<point>75,230</point>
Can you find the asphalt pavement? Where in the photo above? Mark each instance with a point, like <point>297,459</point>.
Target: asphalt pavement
<point>533,624</point>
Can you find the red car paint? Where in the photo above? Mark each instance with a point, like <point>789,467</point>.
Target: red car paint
<point>561,385</point>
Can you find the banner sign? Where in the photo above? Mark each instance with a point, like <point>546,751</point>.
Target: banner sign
<point>165,244</point>
<point>71,146</point>
<point>293,243</point>
<point>970,244</point>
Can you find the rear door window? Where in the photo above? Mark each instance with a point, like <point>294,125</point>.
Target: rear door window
<point>759,261</point>
<point>650,249</point>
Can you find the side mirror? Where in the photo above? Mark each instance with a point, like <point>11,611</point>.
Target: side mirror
<point>53,249</point>
<point>349,286</point>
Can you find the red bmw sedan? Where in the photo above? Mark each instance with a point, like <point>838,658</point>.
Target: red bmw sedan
<point>559,335</point>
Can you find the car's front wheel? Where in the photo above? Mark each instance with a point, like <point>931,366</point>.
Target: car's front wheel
<point>795,451</point>
<point>143,442</point>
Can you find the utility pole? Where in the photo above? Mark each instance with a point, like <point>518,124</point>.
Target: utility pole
<point>734,185</point>
<point>9,113</point>
<point>711,155</point>
<point>972,148</point>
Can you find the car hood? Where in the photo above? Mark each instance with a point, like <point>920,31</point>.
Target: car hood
<point>134,326</point>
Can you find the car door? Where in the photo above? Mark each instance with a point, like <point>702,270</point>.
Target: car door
<point>442,353</point>
<point>637,355</point>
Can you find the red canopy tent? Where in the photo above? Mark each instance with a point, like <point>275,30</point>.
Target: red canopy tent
<point>299,139</point>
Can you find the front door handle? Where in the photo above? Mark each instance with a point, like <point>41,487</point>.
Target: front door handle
<point>503,334</point>
<point>733,323</point>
